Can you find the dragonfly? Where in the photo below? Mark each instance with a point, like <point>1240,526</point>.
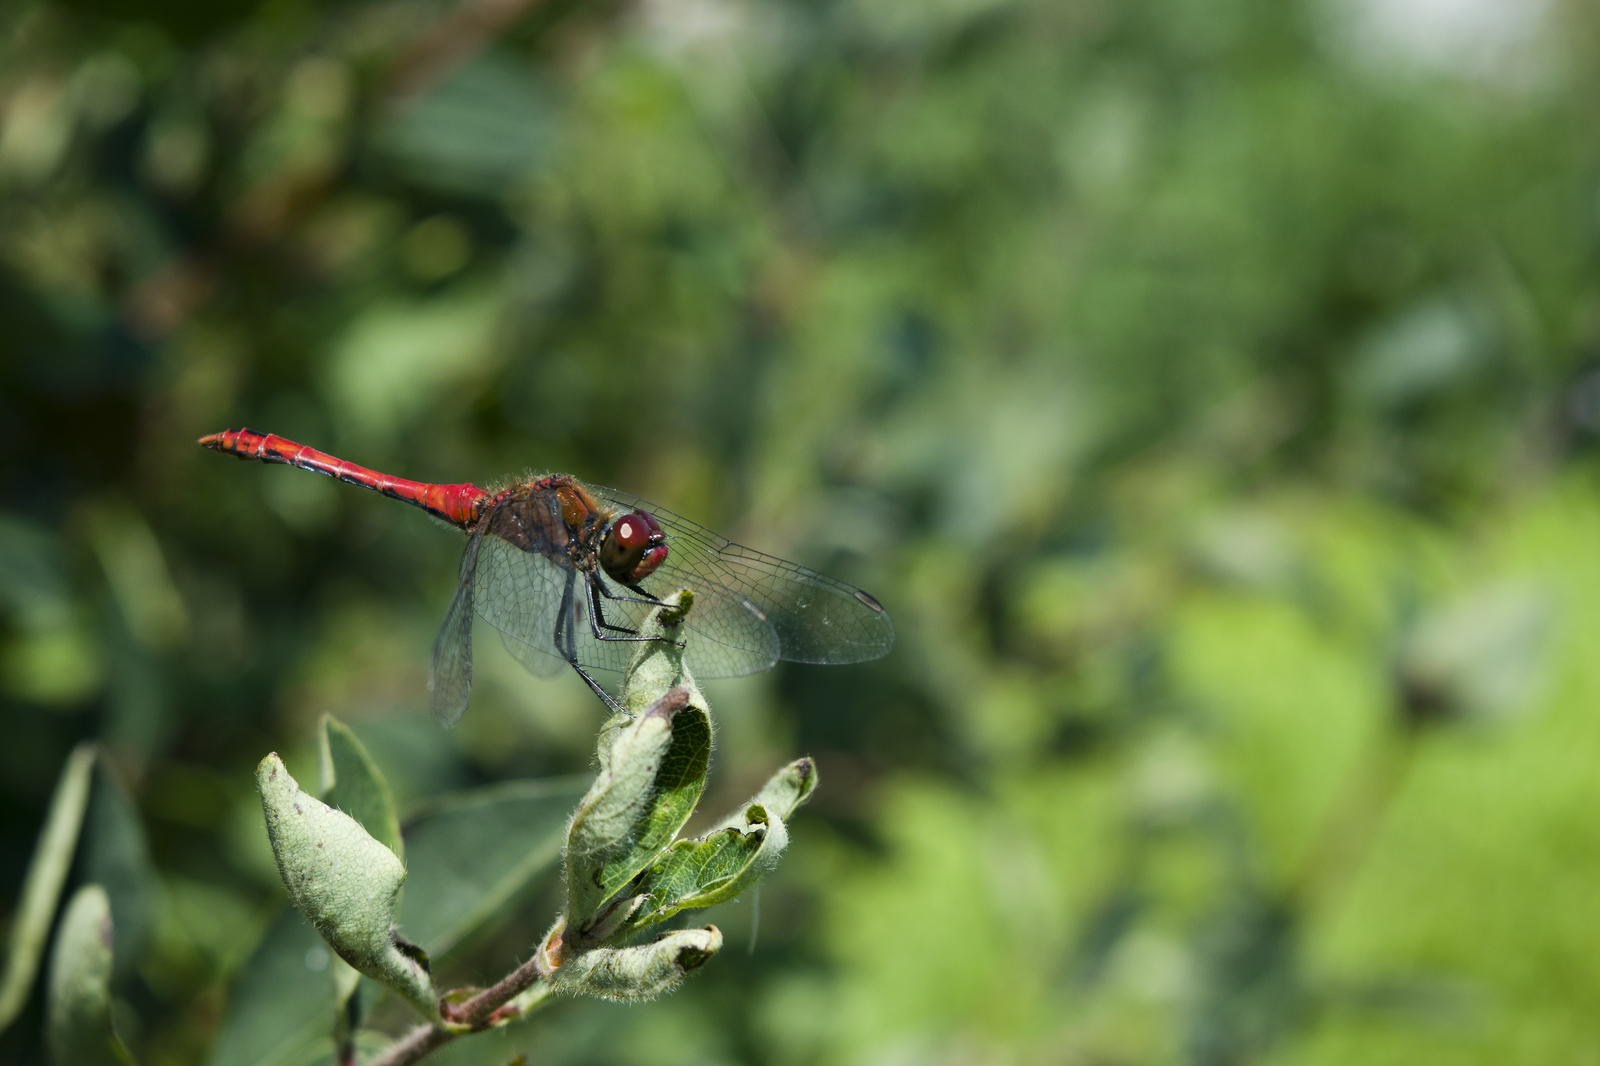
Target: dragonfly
<point>568,573</point>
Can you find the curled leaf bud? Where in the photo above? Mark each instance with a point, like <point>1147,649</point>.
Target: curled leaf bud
<point>642,972</point>
<point>652,774</point>
<point>720,865</point>
<point>657,665</point>
<point>345,882</point>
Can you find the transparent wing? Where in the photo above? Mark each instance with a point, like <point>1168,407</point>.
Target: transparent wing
<point>816,618</point>
<point>727,636</point>
<point>539,662</point>
<point>450,673</point>
<point>541,607</point>
<point>521,597</point>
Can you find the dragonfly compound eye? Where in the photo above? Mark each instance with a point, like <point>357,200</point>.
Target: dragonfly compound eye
<point>633,547</point>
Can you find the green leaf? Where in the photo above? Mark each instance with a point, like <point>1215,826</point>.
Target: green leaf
<point>783,793</point>
<point>352,782</point>
<point>475,853</point>
<point>281,1009</point>
<point>723,863</point>
<point>654,773</point>
<point>345,882</point>
<point>657,665</point>
<point>78,1017</point>
<point>638,973</point>
<point>41,889</point>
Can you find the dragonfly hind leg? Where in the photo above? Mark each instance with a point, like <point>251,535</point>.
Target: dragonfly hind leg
<point>567,644</point>
<point>607,698</point>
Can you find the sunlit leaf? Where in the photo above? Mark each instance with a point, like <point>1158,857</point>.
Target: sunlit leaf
<point>652,771</point>
<point>721,864</point>
<point>651,775</point>
<point>352,782</point>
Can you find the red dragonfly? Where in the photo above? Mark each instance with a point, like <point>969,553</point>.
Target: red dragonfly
<point>561,569</point>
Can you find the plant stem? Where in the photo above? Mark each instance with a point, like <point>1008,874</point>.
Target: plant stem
<point>477,1010</point>
<point>414,1045</point>
<point>477,1013</point>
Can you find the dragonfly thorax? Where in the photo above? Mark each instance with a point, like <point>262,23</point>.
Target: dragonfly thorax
<point>558,517</point>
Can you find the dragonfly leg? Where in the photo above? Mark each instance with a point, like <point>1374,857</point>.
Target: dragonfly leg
<point>599,615</point>
<point>597,620</point>
<point>565,642</point>
<point>605,696</point>
<point>643,597</point>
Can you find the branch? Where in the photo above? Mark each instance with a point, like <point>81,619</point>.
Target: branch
<point>478,1010</point>
<point>414,1045</point>
<point>477,1014</point>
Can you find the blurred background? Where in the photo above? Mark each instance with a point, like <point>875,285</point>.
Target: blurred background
<point>1209,388</point>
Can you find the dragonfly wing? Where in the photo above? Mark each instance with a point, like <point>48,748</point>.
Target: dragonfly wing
<point>539,662</point>
<point>732,637</point>
<point>521,597</point>
<point>815,618</point>
<point>729,636</point>
<point>541,607</point>
<point>450,674</point>
<point>818,619</point>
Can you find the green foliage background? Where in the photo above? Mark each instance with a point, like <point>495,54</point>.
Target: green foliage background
<point>1164,366</point>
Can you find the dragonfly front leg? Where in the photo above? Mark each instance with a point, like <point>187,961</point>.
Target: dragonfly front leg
<point>643,597</point>
<point>595,585</point>
<point>597,619</point>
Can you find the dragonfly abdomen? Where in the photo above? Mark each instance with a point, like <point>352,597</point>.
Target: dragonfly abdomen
<point>460,505</point>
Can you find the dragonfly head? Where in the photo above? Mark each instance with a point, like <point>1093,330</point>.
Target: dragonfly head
<point>633,547</point>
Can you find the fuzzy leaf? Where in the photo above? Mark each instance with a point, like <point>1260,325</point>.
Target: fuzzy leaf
<point>720,865</point>
<point>78,1018</point>
<point>783,793</point>
<point>352,782</point>
<point>475,853</point>
<point>638,973</point>
<point>653,761</point>
<point>653,774</point>
<point>657,665</point>
<point>41,890</point>
<point>345,882</point>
